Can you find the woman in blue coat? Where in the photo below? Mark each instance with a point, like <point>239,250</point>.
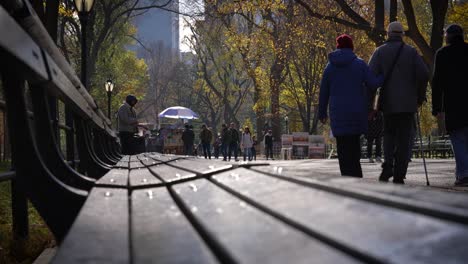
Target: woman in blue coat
<point>346,84</point>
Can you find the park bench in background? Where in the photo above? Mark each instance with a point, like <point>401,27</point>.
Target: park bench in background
<point>171,209</point>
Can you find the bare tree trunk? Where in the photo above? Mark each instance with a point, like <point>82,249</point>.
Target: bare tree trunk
<point>393,10</point>
<point>439,10</point>
<point>259,115</point>
<point>275,82</point>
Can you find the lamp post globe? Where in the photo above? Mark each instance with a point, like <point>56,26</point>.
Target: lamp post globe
<point>84,7</point>
<point>109,86</point>
<point>286,120</point>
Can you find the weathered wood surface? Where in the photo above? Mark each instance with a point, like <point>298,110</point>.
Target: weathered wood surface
<point>172,209</point>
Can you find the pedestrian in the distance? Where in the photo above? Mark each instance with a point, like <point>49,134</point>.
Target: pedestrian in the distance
<point>233,141</point>
<point>374,135</point>
<point>254,144</point>
<point>206,137</point>
<point>247,143</point>
<point>449,95</point>
<point>188,137</point>
<point>128,125</point>
<point>403,91</point>
<point>346,84</point>
<point>269,144</point>
<point>225,141</point>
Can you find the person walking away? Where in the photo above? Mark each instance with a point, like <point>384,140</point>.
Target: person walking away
<point>205,137</point>
<point>217,146</point>
<point>127,124</point>
<point>374,135</point>
<point>342,90</point>
<point>188,137</point>
<point>254,151</point>
<point>404,90</point>
<point>269,144</point>
<point>225,140</point>
<point>449,95</point>
<point>247,143</point>
<point>233,141</point>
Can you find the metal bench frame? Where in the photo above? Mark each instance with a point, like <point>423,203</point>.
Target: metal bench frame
<point>32,70</point>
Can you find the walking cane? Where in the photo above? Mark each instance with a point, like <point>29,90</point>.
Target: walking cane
<point>421,147</point>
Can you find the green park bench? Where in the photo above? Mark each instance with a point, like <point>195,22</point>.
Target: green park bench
<point>154,208</point>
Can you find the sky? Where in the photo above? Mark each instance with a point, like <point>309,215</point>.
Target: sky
<point>189,7</point>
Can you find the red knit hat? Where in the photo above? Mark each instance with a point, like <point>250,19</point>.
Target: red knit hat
<point>344,42</point>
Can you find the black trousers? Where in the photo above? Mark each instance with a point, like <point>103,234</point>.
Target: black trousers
<point>397,134</point>
<point>349,155</point>
<point>269,151</point>
<point>126,142</point>
<point>378,146</point>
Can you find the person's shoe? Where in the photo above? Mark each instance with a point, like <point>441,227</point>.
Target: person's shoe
<point>461,182</point>
<point>378,159</point>
<point>371,160</point>
<point>398,181</point>
<point>386,174</point>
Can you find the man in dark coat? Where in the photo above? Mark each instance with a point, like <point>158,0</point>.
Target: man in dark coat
<point>188,137</point>
<point>233,141</point>
<point>401,96</point>
<point>206,137</point>
<point>449,95</point>
<point>128,125</point>
<point>269,145</point>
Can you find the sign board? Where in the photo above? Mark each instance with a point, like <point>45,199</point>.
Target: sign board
<point>286,141</point>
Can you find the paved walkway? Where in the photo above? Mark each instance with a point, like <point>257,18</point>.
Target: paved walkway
<point>441,171</point>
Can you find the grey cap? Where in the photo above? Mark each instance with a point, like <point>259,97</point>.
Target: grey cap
<point>395,29</point>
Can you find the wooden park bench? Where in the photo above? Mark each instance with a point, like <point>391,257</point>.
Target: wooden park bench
<point>154,208</point>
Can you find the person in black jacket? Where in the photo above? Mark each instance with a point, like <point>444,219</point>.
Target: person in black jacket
<point>188,137</point>
<point>269,145</point>
<point>233,141</point>
<point>449,95</point>
<point>225,140</point>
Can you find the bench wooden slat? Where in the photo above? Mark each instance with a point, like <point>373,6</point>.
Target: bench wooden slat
<point>122,164</point>
<point>136,164</point>
<point>443,205</point>
<point>200,166</point>
<point>100,232</point>
<point>28,52</point>
<point>249,235</point>
<point>125,159</point>
<point>170,174</point>
<point>163,158</point>
<point>457,201</point>
<point>115,177</point>
<point>382,232</point>
<point>149,162</point>
<point>134,158</point>
<point>142,177</point>
<point>161,233</point>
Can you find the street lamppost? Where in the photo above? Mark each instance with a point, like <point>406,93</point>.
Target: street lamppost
<point>84,8</point>
<point>109,87</point>
<point>286,120</point>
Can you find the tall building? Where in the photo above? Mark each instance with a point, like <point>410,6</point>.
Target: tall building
<point>158,25</point>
